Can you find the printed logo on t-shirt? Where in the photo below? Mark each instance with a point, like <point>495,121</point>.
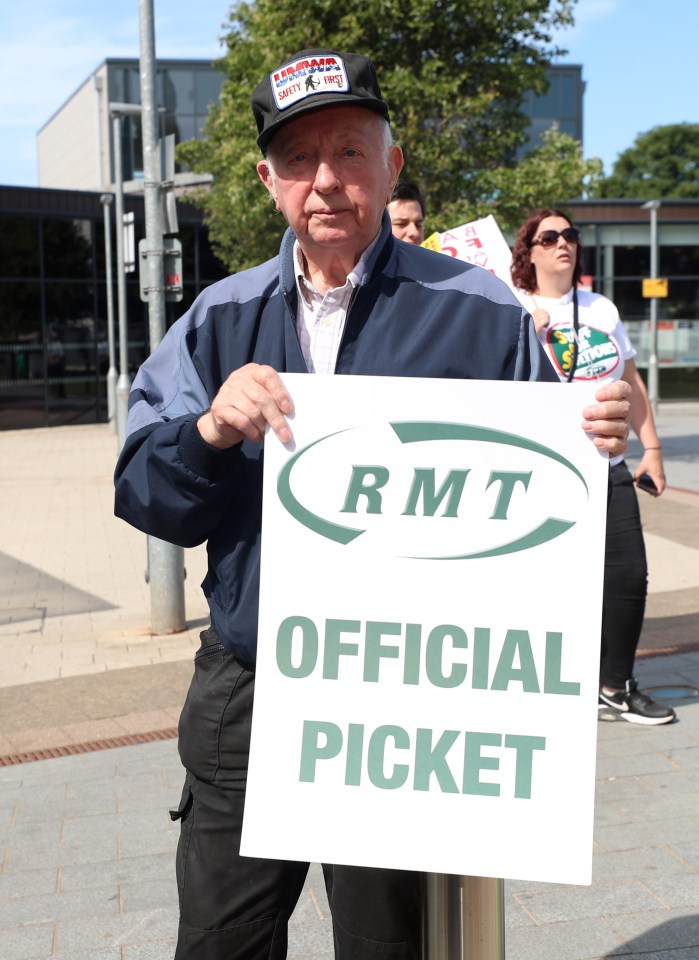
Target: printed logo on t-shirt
<point>598,353</point>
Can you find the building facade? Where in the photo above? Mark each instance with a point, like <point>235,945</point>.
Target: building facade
<point>76,145</point>
<point>617,241</point>
<point>55,345</point>
<point>54,316</point>
<point>561,106</point>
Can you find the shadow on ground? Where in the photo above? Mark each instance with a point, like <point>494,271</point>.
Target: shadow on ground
<point>35,595</point>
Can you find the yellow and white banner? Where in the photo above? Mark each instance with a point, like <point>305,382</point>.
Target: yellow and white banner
<point>429,629</point>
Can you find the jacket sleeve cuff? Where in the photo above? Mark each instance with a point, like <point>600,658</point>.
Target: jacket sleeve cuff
<point>201,458</point>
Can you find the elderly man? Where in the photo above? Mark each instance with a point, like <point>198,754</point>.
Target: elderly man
<point>345,297</point>
<point>406,209</point>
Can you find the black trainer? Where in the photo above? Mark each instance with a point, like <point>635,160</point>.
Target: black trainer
<point>605,712</point>
<point>634,706</point>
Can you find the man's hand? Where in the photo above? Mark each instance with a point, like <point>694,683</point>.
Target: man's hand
<point>607,421</point>
<point>251,398</point>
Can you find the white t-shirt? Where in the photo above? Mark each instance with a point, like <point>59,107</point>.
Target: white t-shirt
<point>603,343</point>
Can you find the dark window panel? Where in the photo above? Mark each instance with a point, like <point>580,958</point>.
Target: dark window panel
<point>207,90</point>
<point>629,300</point>
<point>178,91</point>
<point>67,248</point>
<point>632,261</point>
<point>20,311</point>
<point>21,356</point>
<point>19,247</point>
<point>678,261</point>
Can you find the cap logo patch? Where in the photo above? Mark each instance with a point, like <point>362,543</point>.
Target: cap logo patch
<point>304,78</point>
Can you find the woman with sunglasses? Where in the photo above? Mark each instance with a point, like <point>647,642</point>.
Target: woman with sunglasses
<point>585,340</point>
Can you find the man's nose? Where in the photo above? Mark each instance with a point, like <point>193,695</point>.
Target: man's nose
<point>326,178</point>
<point>413,231</point>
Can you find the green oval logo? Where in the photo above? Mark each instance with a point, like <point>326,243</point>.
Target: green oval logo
<point>490,494</point>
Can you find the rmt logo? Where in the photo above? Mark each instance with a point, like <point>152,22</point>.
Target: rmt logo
<point>493,489</point>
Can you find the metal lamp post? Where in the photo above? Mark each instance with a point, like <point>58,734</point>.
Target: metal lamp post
<point>653,206</point>
<point>165,560</point>
<point>112,375</point>
<point>118,111</point>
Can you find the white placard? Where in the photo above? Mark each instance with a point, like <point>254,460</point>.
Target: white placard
<point>480,242</point>
<point>431,593</point>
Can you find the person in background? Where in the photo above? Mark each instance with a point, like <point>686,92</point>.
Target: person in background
<point>342,297</point>
<point>585,340</point>
<point>407,212</point>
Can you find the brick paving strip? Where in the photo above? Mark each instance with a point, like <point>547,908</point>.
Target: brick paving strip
<point>125,741</point>
<point>91,712</point>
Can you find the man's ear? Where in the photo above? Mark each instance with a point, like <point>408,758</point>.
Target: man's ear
<point>264,172</point>
<point>395,165</point>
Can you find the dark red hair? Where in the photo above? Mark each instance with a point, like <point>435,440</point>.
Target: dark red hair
<point>523,270</point>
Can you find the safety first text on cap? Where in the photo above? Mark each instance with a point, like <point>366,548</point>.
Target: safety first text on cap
<point>307,77</point>
<point>310,79</point>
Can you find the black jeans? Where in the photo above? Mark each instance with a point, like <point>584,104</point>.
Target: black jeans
<point>625,581</point>
<point>238,908</point>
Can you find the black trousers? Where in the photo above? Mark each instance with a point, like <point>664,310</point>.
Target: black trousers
<point>625,581</point>
<point>238,908</point>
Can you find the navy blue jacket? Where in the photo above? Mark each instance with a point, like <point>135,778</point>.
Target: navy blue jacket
<point>415,313</point>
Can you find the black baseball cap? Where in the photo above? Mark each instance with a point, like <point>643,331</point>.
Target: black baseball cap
<point>312,79</point>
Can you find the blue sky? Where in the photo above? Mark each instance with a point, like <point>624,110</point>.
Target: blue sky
<point>640,62</point>
<point>48,48</point>
<point>641,66</point>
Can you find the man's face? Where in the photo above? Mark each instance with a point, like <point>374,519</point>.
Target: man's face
<point>331,179</point>
<point>407,220</point>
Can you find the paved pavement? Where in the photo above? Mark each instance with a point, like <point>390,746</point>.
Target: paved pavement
<point>89,700</point>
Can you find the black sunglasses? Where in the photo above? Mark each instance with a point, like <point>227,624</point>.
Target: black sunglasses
<point>549,238</point>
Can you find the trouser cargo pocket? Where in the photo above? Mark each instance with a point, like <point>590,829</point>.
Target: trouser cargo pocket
<point>214,728</point>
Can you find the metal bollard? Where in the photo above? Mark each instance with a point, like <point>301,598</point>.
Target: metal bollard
<point>463,918</point>
<point>435,916</point>
<point>482,918</point>
<point>166,581</point>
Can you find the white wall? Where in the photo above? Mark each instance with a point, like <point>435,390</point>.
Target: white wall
<point>68,144</point>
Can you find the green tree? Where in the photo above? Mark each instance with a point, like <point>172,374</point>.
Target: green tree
<point>549,175</point>
<point>453,73</point>
<point>663,162</point>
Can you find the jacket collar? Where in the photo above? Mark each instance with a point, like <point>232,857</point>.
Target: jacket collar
<point>376,260</point>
